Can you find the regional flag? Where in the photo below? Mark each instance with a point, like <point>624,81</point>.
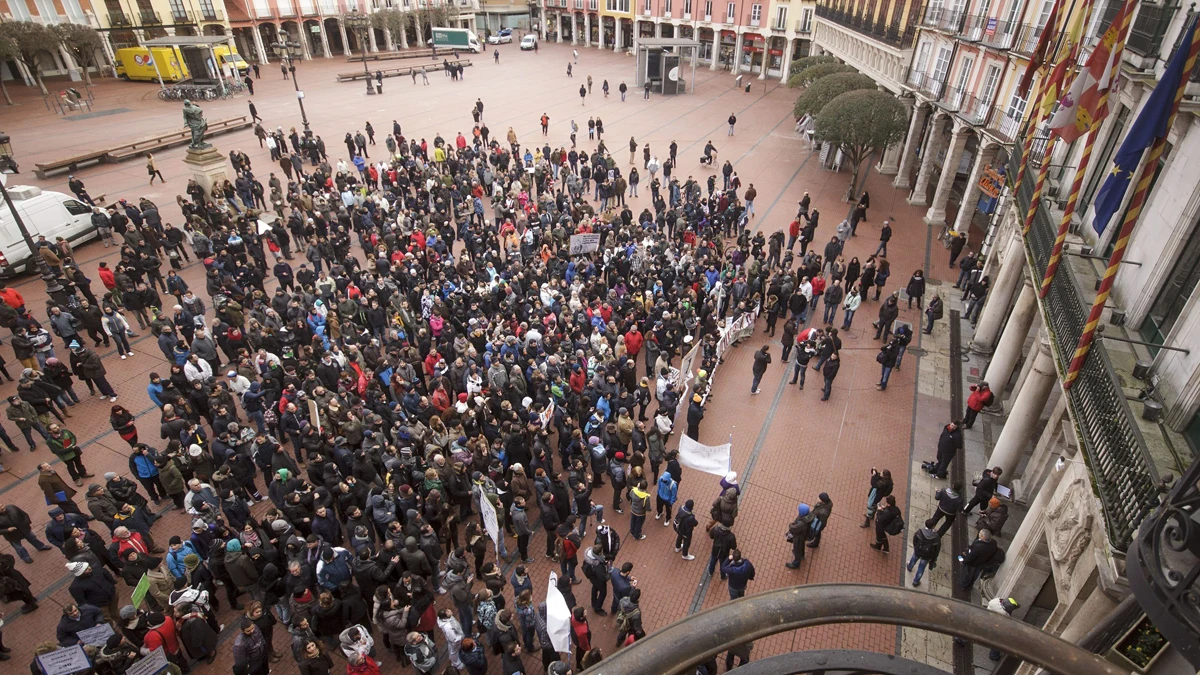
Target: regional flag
<point>1081,104</point>
<point>1151,125</point>
<point>1040,51</point>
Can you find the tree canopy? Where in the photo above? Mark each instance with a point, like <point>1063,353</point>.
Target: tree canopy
<point>31,40</point>
<point>392,20</point>
<point>859,123</point>
<point>8,50</point>
<point>819,93</point>
<point>82,42</point>
<point>800,64</point>
<point>814,73</point>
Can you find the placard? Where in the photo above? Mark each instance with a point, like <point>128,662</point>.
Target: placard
<point>584,243</point>
<point>153,664</point>
<point>140,591</point>
<point>96,636</point>
<point>558,617</point>
<point>314,415</point>
<point>64,661</point>
<point>487,515</point>
<point>714,459</point>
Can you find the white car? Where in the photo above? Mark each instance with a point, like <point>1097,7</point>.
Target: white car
<point>528,42</point>
<point>501,38</point>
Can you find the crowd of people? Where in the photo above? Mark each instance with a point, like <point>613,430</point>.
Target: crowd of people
<point>419,360</point>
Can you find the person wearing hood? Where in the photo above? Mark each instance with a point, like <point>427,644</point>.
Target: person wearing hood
<point>950,503</point>
<point>240,567</point>
<point>86,365</point>
<point>723,541</point>
<point>639,502</point>
<point>725,508</point>
<point>333,570</point>
<point>926,545</point>
<point>199,639</point>
<point>820,518</point>
<point>629,617</point>
<point>797,534</point>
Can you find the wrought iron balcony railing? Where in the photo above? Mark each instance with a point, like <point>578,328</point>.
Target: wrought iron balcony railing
<point>118,19</point>
<point>1027,39</point>
<point>1123,474</point>
<point>1003,124</point>
<point>150,18</point>
<point>999,34</point>
<point>974,110</point>
<point>889,35</point>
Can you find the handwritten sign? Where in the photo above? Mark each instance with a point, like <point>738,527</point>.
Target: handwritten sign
<point>64,661</point>
<point>95,636</point>
<point>153,664</point>
<point>584,243</point>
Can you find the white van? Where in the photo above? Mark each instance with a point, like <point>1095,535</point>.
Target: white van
<point>528,42</point>
<point>52,214</point>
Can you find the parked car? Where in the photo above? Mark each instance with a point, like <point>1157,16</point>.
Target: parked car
<point>503,36</point>
<point>528,42</point>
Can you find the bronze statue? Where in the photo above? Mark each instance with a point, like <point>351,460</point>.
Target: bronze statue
<point>193,118</point>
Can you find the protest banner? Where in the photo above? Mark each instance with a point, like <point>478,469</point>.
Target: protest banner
<point>558,617</point>
<point>140,591</point>
<point>96,636</point>
<point>487,514</point>
<point>584,243</point>
<point>714,459</point>
<point>314,415</point>
<point>64,661</point>
<point>153,664</point>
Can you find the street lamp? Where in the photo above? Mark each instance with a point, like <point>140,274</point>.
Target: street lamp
<point>7,163</point>
<point>360,24</point>
<point>53,289</point>
<point>288,51</point>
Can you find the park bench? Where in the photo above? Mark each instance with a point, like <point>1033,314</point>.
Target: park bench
<point>397,71</point>
<point>391,56</point>
<point>45,169</point>
<point>121,153</point>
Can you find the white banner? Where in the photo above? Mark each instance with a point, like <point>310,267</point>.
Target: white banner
<point>688,362</point>
<point>558,617</point>
<point>584,243</point>
<point>487,514</point>
<point>714,459</point>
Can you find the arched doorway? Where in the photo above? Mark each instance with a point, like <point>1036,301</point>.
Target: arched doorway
<point>312,34</point>
<point>185,30</point>
<point>334,34</point>
<point>214,29</point>
<point>269,33</point>
<point>668,30</point>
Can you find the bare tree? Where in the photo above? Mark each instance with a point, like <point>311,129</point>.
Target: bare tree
<point>392,21</point>
<point>8,50</point>
<point>81,42</point>
<point>31,39</point>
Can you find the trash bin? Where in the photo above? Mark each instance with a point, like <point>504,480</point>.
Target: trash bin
<point>1151,410</point>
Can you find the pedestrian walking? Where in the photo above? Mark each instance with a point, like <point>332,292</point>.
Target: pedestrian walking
<point>887,358</point>
<point>829,371</point>
<point>65,446</point>
<point>949,503</point>
<point>926,545</point>
<point>762,358</point>
<point>685,523</point>
<point>888,522</point>
<point>985,489</point>
<point>885,235</point>
<point>583,98</point>
<point>667,492</point>
<point>152,169</point>
<point>695,414</point>
<point>881,486</point>
<point>622,88</point>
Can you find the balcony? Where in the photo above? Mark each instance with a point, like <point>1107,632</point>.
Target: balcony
<point>1149,26</point>
<point>952,21</point>
<point>998,35</point>
<point>117,19</point>
<point>974,110</point>
<point>1002,124</point>
<point>779,27</point>
<point>211,14</point>
<point>927,84</point>
<point>179,16</point>
<point>755,23</point>
<point>953,99</point>
<point>888,35</point>
<point>308,8</point>
<point>1124,476</point>
<point>667,14</point>
<point>1027,39</point>
<point>932,17</point>
<point>150,18</point>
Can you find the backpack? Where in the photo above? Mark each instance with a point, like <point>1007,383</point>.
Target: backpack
<point>895,526</point>
<point>622,622</point>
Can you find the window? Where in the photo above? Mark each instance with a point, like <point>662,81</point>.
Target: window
<point>960,85</point>
<point>687,8</point>
<point>76,208</point>
<point>667,7</point>
<point>781,17</point>
<point>73,10</point>
<point>48,12</point>
<point>922,59</point>
<point>755,14</point>
<point>730,12</point>
<point>988,92</point>
<point>806,20</point>
<point>19,11</point>
<point>707,10</point>
<point>941,66</point>
<point>1174,294</point>
<point>1044,14</point>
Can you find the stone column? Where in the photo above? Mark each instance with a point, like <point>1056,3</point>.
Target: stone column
<point>543,24</point>
<point>587,30</point>
<point>916,123</point>
<point>716,49</point>
<point>600,42</point>
<point>657,28</point>
<point>934,139</point>
<point>72,67</point>
<point>345,40</point>
<point>966,210</point>
<point>325,41</point>
<point>787,59</point>
<point>995,308</point>
<point>305,46</point>
<point>941,195</point>
<point>574,30</point>
<point>558,35</point>
<point>1027,410</point>
<point>1012,340</point>
<point>371,39</point>
<point>737,54</point>
<point>420,33</point>
<point>618,36</point>
<point>403,39</point>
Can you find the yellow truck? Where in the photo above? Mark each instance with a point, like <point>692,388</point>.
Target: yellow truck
<point>138,63</point>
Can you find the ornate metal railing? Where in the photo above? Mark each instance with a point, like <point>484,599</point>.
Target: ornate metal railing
<point>892,35</point>
<point>1164,566</point>
<point>685,644</point>
<point>1121,468</point>
<point>974,110</point>
<point>999,35</point>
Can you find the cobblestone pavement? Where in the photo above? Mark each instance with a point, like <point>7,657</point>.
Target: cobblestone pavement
<point>787,445</point>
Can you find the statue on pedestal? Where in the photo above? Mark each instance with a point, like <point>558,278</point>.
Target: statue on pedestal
<point>193,118</point>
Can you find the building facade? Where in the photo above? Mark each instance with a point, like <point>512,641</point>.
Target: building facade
<point>874,37</point>
<point>758,39</point>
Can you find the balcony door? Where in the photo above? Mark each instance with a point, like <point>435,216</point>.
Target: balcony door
<point>960,85</point>
<point>940,71</point>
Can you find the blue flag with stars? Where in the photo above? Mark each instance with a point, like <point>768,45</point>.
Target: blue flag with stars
<point>1151,124</point>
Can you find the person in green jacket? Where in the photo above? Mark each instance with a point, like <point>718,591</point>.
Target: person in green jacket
<point>65,446</point>
<point>26,418</point>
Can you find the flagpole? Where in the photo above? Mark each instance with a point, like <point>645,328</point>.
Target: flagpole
<point>1131,218</point>
<point>1065,224</point>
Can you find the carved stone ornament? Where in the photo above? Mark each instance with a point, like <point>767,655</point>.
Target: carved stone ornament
<point>1069,532</point>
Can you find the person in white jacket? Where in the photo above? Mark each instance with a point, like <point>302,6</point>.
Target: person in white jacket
<point>850,305</point>
<point>197,369</point>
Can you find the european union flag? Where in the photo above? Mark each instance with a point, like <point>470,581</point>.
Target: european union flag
<point>1150,125</point>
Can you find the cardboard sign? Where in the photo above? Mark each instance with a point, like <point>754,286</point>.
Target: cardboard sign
<point>714,459</point>
<point>64,661</point>
<point>140,591</point>
<point>153,664</point>
<point>584,243</point>
<point>96,636</point>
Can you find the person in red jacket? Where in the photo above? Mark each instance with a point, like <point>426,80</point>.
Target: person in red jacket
<point>981,397</point>
<point>582,633</point>
<point>162,634</point>
<point>793,233</point>
<point>12,298</point>
<point>633,342</point>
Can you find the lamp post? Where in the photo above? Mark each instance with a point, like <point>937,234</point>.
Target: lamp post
<point>53,289</point>
<point>288,50</point>
<point>360,24</point>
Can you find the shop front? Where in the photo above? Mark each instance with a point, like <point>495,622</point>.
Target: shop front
<point>725,56</point>
<point>753,53</point>
<point>705,37</point>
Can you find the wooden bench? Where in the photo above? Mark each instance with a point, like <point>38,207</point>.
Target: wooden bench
<point>397,71</point>
<point>121,153</point>
<point>390,56</point>
<point>46,169</point>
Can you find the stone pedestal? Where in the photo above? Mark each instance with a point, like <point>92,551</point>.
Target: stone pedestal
<point>208,167</point>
